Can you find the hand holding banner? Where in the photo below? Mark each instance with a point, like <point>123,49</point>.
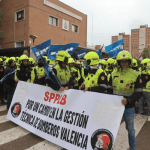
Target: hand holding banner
<point>72,119</point>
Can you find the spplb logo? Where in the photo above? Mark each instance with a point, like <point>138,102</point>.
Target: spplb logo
<point>102,139</point>
<point>16,109</point>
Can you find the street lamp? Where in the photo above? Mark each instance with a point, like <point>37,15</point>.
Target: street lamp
<point>33,37</point>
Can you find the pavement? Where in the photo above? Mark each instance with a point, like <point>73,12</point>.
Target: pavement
<point>14,137</point>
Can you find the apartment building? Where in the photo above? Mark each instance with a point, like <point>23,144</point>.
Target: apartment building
<point>47,19</point>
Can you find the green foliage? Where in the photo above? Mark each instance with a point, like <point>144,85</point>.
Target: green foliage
<point>145,53</point>
<point>139,63</point>
<point>1,36</point>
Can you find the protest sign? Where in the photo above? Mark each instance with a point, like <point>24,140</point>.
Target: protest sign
<point>72,119</point>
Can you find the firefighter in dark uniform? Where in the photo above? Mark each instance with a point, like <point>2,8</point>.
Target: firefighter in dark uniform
<point>24,71</point>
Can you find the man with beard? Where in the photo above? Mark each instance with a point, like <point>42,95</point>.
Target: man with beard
<point>10,82</point>
<point>24,71</point>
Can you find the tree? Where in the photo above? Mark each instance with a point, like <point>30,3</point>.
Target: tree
<point>145,53</point>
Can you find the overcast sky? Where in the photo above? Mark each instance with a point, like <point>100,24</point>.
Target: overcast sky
<point>111,17</point>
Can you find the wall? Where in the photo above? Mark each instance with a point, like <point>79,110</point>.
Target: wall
<point>39,24</point>
<point>14,31</point>
<point>36,22</point>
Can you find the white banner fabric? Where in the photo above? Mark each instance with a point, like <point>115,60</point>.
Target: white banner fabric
<point>72,119</point>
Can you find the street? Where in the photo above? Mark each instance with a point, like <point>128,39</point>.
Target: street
<point>14,137</point>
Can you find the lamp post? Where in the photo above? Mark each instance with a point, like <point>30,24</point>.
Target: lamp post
<point>33,37</point>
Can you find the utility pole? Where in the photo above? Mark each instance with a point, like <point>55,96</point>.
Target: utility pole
<point>92,28</point>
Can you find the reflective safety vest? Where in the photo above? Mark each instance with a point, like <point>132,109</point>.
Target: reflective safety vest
<point>146,80</point>
<point>78,76</point>
<point>92,79</point>
<point>32,75</point>
<point>140,70</point>
<point>63,75</point>
<point>123,81</point>
<point>40,71</point>
<point>108,71</point>
<point>17,64</point>
<point>82,73</point>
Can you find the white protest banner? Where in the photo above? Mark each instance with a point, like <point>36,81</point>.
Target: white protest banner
<point>71,119</point>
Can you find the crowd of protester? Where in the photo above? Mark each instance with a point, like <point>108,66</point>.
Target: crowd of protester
<point>120,76</point>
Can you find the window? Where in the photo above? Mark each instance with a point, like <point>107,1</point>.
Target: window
<point>19,15</point>
<point>19,44</point>
<point>53,21</point>
<point>74,28</point>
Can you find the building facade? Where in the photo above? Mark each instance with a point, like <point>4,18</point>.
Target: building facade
<point>140,39</point>
<point>126,39</point>
<point>47,19</point>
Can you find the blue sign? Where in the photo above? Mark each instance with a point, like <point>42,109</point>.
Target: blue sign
<point>54,49</point>
<point>50,74</point>
<point>113,53</point>
<point>81,54</point>
<point>85,64</point>
<point>113,46</point>
<point>39,55</point>
<point>42,49</point>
